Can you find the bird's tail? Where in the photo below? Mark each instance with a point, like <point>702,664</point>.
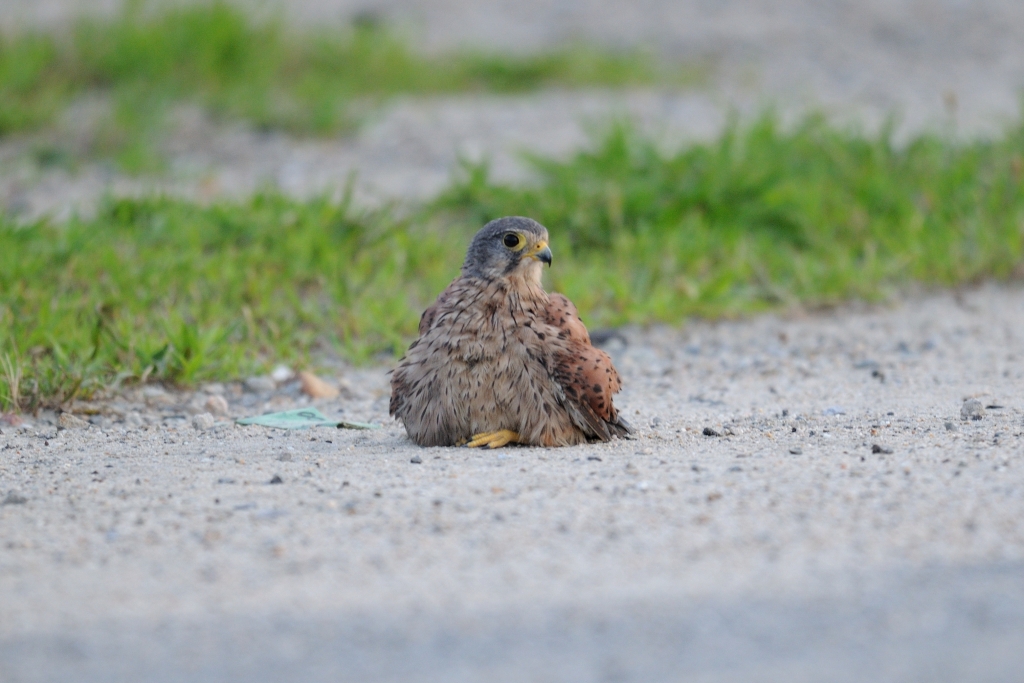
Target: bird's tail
<point>619,427</point>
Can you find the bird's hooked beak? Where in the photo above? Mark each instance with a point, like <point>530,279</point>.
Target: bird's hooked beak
<point>541,252</point>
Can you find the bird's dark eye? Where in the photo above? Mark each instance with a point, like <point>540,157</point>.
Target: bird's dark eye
<point>512,240</point>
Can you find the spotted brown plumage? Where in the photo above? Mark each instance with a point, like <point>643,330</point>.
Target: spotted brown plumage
<point>500,360</point>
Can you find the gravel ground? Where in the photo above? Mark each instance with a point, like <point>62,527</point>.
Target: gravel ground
<point>846,523</point>
<point>803,501</point>
<point>950,65</point>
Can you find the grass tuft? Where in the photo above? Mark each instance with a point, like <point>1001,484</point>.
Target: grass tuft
<point>166,290</point>
<point>762,217</point>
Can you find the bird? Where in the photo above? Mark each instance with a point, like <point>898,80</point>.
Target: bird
<point>500,361</point>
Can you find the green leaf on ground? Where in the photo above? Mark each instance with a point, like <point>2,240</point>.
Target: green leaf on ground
<point>302,419</point>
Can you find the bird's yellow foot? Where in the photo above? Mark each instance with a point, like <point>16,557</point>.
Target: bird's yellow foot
<point>496,439</point>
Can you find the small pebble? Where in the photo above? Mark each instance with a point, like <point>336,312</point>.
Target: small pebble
<point>972,409</point>
<point>276,479</point>
<point>951,427</point>
<point>314,387</point>
<point>834,410</point>
<point>156,396</point>
<point>416,460</point>
<point>203,421</point>
<point>11,419</point>
<point>708,431</point>
<point>877,448</point>
<point>796,450</point>
<point>216,405</point>
<point>281,374</point>
<point>14,498</point>
<point>260,385</point>
<point>69,421</point>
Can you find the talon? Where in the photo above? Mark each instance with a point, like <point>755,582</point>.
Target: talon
<point>496,439</point>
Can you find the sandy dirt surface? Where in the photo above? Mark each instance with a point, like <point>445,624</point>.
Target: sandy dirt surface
<point>803,501</point>
<point>845,524</point>
<point>945,65</point>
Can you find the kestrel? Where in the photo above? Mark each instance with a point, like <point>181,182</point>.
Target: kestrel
<point>499,360</point>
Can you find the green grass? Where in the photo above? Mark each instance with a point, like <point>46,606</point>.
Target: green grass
<point>163,289</point>
<point>760,218</point>
<point>303,81</point>
<point>763,217</point>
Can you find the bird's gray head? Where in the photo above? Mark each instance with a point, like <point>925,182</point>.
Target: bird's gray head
<point>506,247</point>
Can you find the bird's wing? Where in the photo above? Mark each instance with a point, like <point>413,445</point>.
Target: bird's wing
<point>430,314</point>
<point>562,314</point>
<point>399,377</point>
<point>585,373</point>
